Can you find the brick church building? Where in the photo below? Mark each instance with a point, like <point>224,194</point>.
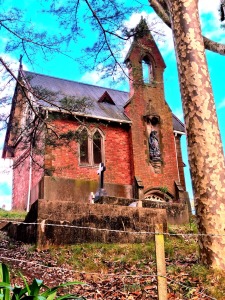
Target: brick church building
<point>60,131</point>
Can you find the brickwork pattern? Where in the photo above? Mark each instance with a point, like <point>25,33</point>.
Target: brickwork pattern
<point>64,160</point>
<point>26,168</point>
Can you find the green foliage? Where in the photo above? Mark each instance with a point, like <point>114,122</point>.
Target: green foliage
<point>74,104</point>
<point>13,214</point>
<point>70,135</point>
<point>179,247</point>
<point>188,228</point>
<point>163,189</point>
<point>199,271</point>
<point>214,280</point>
<point>34,291</point>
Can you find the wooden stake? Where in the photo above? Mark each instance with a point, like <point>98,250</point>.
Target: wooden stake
<point>160,262</point>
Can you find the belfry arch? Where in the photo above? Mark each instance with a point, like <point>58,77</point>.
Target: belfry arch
<point>147,64</point>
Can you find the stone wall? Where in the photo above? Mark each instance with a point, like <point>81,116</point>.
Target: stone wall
<point>177,213</point>
<point>75,190</point>
<point>75,223</point>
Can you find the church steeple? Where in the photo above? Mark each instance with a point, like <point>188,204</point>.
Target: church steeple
<point>150,115</point>
<point>141,29</point>
<point>144,60</point>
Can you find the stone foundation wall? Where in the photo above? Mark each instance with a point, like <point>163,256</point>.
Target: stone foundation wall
<point>177,213</point>
<point>79,223</point>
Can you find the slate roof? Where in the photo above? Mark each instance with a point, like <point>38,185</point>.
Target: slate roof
<point>62,87</point>
<point>178,125</point>
<point>98,109</point>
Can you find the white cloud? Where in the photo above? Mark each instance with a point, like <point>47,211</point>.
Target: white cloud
<point>6,202</point>
<point>96,77</point>
<point>209,7</point>
<point>7,86</point>
<point>5,171</point>
<point>210,20</point>
<point>179,114</point>
<point>5,183</point>
<point>5,178</point>
<point>93,77</point>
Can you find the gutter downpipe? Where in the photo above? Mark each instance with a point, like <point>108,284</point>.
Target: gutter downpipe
<point>29,182</point>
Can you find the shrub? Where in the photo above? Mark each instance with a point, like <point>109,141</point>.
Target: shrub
<point>35,291</point>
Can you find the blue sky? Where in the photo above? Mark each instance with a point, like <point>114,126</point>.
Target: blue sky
<point>62,66</point>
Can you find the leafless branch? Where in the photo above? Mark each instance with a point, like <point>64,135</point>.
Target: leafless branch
<point>163,14</point>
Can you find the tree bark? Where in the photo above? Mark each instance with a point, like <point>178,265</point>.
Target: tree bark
<point>205,150</point>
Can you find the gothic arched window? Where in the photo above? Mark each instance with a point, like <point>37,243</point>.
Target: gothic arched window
<point>84,146</point>
<point>91,147</point>
<point>97,147</point>
<point>147,70</point>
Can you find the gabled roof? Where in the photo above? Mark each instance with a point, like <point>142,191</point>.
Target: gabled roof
<point>98,109</point>
<point>106,104</point>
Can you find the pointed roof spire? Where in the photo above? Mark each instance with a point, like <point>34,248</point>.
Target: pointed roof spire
<point>143,43</point>
<point>141,29</point>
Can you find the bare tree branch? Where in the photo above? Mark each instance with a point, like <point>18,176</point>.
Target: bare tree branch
<point>163,14</point>
<point>105,37</point>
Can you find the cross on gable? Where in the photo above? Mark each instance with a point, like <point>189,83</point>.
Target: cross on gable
<point>101,168</point>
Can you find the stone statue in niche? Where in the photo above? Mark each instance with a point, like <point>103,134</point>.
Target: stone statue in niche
<point>154,148</point>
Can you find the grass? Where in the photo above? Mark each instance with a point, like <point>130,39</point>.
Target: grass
<point>5,214</point>
<point>96,256</point>
<point>181,260</point>
<point>99,256</point>
<point>181,252</point>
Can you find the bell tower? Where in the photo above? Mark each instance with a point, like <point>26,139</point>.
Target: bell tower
<point>152,136</point>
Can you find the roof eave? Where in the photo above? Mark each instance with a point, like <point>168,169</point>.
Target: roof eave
<point>86,115</point>
<point>179,132</point>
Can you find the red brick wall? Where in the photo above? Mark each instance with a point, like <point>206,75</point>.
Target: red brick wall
<point>64,160</point>
<point>23,163</point>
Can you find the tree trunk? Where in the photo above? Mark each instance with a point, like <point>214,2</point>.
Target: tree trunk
<point>204,142</point>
